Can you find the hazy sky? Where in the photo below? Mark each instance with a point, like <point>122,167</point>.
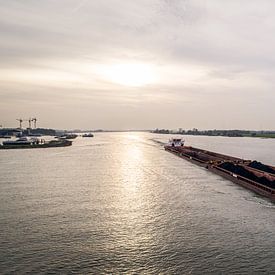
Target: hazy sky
<point>125,64</point>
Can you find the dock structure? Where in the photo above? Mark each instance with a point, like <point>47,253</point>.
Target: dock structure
<point>252,175</point>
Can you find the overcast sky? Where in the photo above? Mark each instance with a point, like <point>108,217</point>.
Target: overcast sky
<point>125,64</point>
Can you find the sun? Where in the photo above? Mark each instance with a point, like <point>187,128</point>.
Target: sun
<point>129,74</point>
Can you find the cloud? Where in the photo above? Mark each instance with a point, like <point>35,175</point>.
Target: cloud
<point>204,52</point>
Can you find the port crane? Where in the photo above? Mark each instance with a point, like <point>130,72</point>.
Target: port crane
<point>30,123</point>
<point>20,122</point>
<point>34,122</point>
<point>29,120</point>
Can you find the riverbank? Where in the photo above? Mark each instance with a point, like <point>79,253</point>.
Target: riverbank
<point>217,133</point>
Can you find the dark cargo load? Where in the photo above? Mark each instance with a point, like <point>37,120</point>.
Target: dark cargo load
<point>241,171</point>
<point>260,166</point>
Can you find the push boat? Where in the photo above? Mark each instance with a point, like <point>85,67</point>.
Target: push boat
<point>176,142</point>
<point>253,175</point>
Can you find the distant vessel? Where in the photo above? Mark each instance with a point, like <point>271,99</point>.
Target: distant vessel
<point>88,135</point>
<point>253,175</point>
<point>68,136</point>
<point>34,135</point>
<point>176,142</point>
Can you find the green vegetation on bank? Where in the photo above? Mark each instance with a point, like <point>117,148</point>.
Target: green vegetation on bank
<point>226,133</point>
<point>261,135</point>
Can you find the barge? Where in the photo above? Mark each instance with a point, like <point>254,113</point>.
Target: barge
<point>24,143</point>
<point>252,175</point>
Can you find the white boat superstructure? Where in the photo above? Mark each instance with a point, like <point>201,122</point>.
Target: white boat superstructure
<point>176,142</point>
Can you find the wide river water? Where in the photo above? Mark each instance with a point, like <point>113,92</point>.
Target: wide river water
<point>119,204</point>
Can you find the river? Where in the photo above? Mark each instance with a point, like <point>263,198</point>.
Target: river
<point>119,204</point>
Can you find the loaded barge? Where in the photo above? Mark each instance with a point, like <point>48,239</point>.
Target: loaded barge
<point>25,143</point>
<point>252,175</point>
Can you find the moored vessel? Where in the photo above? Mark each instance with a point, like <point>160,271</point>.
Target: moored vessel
<point>19,141</point>
<point>88,135</point>
<point>68,136</point>
<point>24,143</point>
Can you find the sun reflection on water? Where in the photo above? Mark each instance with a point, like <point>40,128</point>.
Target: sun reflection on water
<point>131,170</point>
<point>133,203</point>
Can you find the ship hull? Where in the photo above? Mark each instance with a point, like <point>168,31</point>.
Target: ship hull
<point>213,166</point>
<point>61,143</point>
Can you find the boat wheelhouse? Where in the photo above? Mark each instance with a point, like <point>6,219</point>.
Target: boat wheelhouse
<point>176,142</point>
